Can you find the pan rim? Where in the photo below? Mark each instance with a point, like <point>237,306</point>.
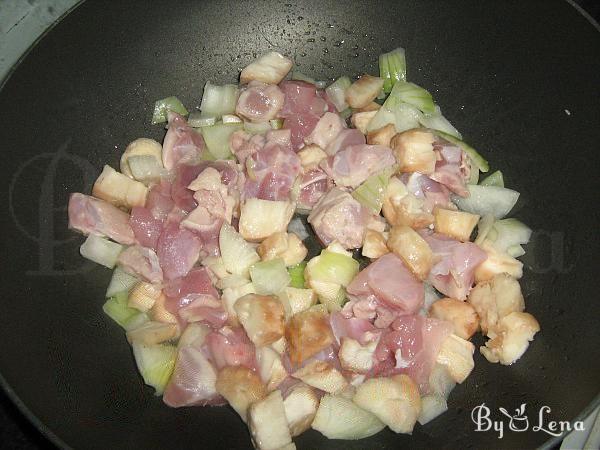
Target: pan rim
<point>58,441</point>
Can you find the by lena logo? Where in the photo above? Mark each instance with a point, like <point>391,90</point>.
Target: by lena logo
<point>519,421</point>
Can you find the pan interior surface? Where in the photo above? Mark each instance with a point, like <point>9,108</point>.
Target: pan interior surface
<point>519,81</point>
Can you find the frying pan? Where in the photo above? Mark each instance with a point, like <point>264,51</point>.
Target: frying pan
<point>520,79</point>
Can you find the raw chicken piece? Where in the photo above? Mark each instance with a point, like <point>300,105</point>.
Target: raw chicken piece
<point>145,226</point>
<point>390,282</point>
<point>271,171</point>
<point>411,346</point>
<point>193,380</point>
<point>326,130</point>
<point>454,273</point>
<point>314,184</point>
<point>302,110</point>
<point>178,250</point>
<point>94,216</point>
<point>142,261</point>
<point>231,347</point>
<point>346,138</point>
<point>259,102</point>
<point>353,165</point>
<point>338,216</point>
<point>451,170</point>
<point>182,144</point>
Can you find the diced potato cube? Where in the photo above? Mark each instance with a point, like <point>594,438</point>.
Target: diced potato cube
<point>511,338</point>
<point>311,155</point>
<point>356,357</point>
<point>241,387</point>
<point>461,314</point>
<point>497,262</point>
<point>286,246</point>
<point>412,249</point>
<point>496,298</point>
<point>457,355</point>
<point>374,244</point>
<point>373,106</point>
<point>259,218</point>
<point>300,405</point>
<point>269,68</point>
<point>402,208</point>
<point>382,136</point>
<point>299,299</point>
<point>361,120</point>
<point>363,91</point>
<point>456,224</point>
<point>267,423</point>
<point>414,151</point>
<point>159,312</point>
<point>323,376</point>
<point>150,333</point>
<point>307,333</point>
<point>262,316</point>
<point>394,400</point>
<point>270,367</point>
<point>119,189</point>
<point>340,418</point>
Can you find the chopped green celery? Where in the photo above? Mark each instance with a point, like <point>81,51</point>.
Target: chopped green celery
<point>297,275</point>
<point>217,138</point>
<point>101,250</point>
<point>299,76</point>
<point>196,120</point>
<point>269,277</point>
<point>371,192</point>
<point>484,200</point>
<point>276,124</point>
<point>162,107</point>
<point>218,101</point>
<point>155,363</point>
<point>437,121</point>
<point>495,179</point>
<point>336,92</point>
<point>116,308</point>
<point>477,159</point>
<point>257,127</point>
<point>332,267</point>
<point>405,92</point>
<point>121,282</point>
<point>392,68</point>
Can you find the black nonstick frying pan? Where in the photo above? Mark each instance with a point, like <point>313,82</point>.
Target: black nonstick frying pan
<point>519,79</point>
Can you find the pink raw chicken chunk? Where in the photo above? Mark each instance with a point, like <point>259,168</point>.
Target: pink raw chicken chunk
<point>181,292</point>
<point>272,169</point>
<point>451,168</point>
<point>90,215</point>
<point>339,217</point>
<point>178,250</point>
<point>204,308</point>
<point>454,273</point>
<point>314,184</point>
<point>353,165</point>
<point>141,261</point>
<point>302,109</point>
<point>231,347</point>
<point>182,144</point>
<point>145,226</point>
<point>259,102</point>
<point>390,282</point>
<point>411,346</point>
<point>192,382</point>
